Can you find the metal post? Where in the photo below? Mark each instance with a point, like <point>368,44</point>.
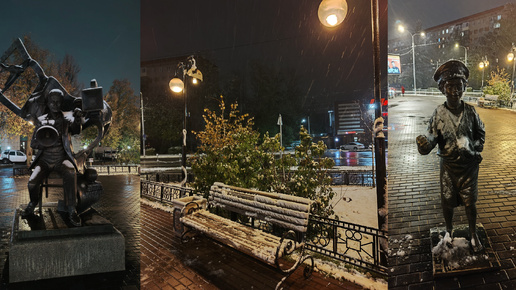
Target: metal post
<point>380,138</point>
<point>513,50</point>
<point>414,63</point>
<point>142,121</point>
<point>185,133</point>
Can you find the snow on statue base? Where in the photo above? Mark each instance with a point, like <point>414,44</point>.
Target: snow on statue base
<point>451,257</point>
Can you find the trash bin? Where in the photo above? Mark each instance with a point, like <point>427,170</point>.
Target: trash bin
<point>179,204</point>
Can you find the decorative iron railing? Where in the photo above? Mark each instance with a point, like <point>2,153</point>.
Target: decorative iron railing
<point>116,169</point>
<point>362,178</point>
<point>162,191</point>
<point>339,177</point>
<point>347,242</point>
<point>166,177</point>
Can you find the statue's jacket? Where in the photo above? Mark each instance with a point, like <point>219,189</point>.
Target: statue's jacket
<point>460,138</point>
<point>34,111</point>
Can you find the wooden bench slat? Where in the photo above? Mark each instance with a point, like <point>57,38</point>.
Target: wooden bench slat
<point>275,195</point>
<point>245,239</point>
<point>269,207</point>
<point>285,221</point>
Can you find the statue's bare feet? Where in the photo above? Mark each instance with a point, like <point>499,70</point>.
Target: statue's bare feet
<point>476,245</point>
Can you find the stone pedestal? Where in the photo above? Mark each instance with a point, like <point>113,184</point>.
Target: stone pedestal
<point>47,246</point>
<point>465,261</point>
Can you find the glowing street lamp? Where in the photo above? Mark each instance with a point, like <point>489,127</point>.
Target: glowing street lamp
<point>332,12</point>
<point>188,69</point>
<point>510,57</point>
<point>465,53</point>
<point>482,65</point>
<point>401,29</point>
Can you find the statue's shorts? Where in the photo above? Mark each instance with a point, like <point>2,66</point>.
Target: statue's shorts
<point>459,184</point>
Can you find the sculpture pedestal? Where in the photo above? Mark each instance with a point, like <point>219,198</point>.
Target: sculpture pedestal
<point>463,260</point>
<point>47,246</point>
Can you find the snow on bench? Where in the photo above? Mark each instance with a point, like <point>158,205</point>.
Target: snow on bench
<point>286,211</point>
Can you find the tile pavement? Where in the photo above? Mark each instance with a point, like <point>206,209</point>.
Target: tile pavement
<point>120,204</point>
<point>204,264</point>
<point>414,203</point>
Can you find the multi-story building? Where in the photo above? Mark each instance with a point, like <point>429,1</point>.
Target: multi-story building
<point>466,30</point>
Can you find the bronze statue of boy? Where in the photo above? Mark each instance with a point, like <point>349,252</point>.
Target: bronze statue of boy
<point>54,155</point>
<point>456,127</point>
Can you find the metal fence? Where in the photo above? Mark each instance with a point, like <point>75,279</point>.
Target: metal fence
<point>116,169</point>
<point>362,178</point>
<point>163,192</point>
<point>166,177</point>
<point>338,177</point>
<point>347,242</point>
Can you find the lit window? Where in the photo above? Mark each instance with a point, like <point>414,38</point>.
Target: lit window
<point>497,25</point>
<point>446,30</point>
<point>499,17</point>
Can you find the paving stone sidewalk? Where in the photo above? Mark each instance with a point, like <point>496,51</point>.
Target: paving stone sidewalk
<point>120,204</point>
<point>414,202</point>
<point>204,264</point>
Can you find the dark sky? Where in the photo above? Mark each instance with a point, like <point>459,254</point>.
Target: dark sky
<point>283,33</point>
<point>435,12</point>
<point>102,36</point>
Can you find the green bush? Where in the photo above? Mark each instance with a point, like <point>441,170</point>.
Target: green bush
<point>233,153</point>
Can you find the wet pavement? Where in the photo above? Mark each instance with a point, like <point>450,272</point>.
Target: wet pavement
<point>120,204</point>
<point>414,202</point>
<point>202,263</point>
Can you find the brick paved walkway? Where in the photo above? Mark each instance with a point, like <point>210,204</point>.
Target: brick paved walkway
<point>414,203</point>
<point>204,264</point>
<point>120,204</point>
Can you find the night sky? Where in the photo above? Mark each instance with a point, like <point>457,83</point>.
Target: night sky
<point>286,34</point>
<point>435,12</point>
<point>102,36</point>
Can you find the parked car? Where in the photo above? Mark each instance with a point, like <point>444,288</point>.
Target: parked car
<point>354,146</point>
<point>13,156</point>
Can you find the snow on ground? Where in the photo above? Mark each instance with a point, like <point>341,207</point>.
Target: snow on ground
<point>356,204</point>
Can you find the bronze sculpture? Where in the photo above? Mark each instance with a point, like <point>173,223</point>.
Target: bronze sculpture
<point>456,127</point>
<point>57,115</point>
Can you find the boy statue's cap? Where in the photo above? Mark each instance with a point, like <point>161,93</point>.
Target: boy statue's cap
<point>450,70</point>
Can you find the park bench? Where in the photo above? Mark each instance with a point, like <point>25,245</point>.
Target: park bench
<point>488,101</point>
<point>285,211</point>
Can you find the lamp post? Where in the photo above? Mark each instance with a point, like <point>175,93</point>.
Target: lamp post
<point>482,65</point>
<point>143,124</point>
<point>510,57</point>
<point>422,34</point>
<point>178,85</point>
<point>381,174</point>
<point>308,124</point>
<point>465,53</point>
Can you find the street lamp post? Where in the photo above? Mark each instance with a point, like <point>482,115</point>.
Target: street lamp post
<point>308,124</point>
<point>422,34</point>
<point>178,85</point>
<point>482,65</point>
<point>465,53</point>
<point>143,124</point>
<point>510,57</point>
